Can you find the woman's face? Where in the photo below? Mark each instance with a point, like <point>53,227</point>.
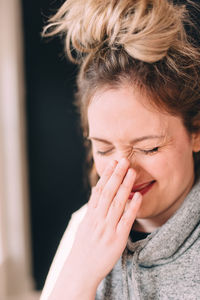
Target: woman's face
<point>157,144</point>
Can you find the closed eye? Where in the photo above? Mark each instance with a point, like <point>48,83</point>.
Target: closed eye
<point>146,152</point>
<point>150,151</point>
<point>104,152</point>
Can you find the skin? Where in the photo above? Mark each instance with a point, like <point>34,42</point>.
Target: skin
<point>104,229</point>
<point>116,118</point>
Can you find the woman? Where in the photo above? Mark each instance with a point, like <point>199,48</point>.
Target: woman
<point>139,98</point>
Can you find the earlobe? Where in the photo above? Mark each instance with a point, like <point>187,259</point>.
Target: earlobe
<point>196,141</point>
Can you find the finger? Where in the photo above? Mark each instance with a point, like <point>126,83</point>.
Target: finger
<point>120,200</point>
<point>112,186</point>
<point>126,222</point>
<point>97,190</point>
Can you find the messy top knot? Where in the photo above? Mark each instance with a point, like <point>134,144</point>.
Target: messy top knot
<point>140,42</point>
<point>145,29</point>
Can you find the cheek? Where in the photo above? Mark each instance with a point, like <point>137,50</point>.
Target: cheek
<point>100,163</point>
<point>169,165</point>
<point>157,166</point>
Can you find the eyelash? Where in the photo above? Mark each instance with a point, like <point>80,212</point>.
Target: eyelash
<point>102,153</point>
<point>151,151</point>
<point>146,152</point>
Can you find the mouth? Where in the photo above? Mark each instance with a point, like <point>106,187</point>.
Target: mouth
<point>142,188</point>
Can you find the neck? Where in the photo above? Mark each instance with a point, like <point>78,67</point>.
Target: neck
<point>146,225</point>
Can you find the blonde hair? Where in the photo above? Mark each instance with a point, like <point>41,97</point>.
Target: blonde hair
<point>140,42</point>
<point>147,30</point>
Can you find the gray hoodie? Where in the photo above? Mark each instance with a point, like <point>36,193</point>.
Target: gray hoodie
<point>165,265</point>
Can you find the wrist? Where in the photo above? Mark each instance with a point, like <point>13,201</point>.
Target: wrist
<point>81,273</point>
<point>74,284</point>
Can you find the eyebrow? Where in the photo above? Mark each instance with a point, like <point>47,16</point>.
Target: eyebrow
<point>134,141</point>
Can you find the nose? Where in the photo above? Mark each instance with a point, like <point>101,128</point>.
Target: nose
<point>125,153</point>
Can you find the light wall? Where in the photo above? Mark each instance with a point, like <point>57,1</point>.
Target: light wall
<point>15,258</point>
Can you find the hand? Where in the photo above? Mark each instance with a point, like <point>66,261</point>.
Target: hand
<point>103,233</point>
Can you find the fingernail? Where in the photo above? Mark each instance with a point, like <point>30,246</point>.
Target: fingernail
<point>130,172</point>
<point>123,160</point>
<point>112,163</point>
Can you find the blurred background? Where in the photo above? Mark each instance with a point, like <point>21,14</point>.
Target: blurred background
<point>41,152</point>
<point>41,146</point>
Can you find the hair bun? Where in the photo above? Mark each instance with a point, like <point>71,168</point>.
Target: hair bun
<point>146,29</point>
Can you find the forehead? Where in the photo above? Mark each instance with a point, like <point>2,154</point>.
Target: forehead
<point>119,113</point>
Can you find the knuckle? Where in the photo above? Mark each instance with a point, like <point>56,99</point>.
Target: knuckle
<point>125,185</point>
<point>100,230</point>
<point>126,221</point>
<point>118,203</point>
<point>97,189</point>
<point>109,236</point>
<point>93,222</point>
<point>92,203</point>
<point>118,173</point>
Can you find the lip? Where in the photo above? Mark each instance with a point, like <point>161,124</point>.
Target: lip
<point>142,188</point>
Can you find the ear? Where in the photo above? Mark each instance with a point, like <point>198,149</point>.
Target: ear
<point>196,141</point>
